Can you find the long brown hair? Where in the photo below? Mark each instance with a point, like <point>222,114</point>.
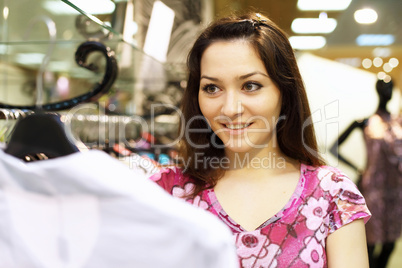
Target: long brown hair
<point>295,135</point>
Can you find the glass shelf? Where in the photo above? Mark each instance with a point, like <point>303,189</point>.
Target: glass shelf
<point>25,40</point>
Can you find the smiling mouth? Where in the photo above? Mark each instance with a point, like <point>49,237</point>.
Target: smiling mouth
<point>236,126</point>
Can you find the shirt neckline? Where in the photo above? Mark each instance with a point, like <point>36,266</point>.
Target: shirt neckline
<point>286,209</point>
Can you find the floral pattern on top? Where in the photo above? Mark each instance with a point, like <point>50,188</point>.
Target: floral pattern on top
<point>325,199</point>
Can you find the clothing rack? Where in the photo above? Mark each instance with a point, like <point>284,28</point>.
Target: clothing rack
<point>123,135</point>
<point>8,118</point>
<point>90,128</point>
<point>14,114</point>
<point>120,135</point>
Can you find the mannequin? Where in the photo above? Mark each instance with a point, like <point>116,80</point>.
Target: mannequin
<point>381,181</point>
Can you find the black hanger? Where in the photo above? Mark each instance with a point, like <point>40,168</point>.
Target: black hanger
<point>40,134</point>
<point>43,135</point>
<point>99,89</point>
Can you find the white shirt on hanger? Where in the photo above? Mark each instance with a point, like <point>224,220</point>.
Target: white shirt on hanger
<point>89,210</point>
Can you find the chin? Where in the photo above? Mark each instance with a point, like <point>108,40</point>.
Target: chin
<point>242,145</point>
<point>240,148</point>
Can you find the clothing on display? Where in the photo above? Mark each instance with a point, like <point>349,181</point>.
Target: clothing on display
<point>381,183</point>
<point>380,179</point>
<point>324,201</point>
<point>88,209</point>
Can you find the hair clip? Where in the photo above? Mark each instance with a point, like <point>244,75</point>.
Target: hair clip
<point>256,23</point>
<point>259,20</point>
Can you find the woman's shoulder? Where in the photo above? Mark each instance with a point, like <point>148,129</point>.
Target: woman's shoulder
<point>324,172</point>
<point>335,182</point>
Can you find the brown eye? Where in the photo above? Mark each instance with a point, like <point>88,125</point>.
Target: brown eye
<point>251,87</point>
<point>210,89</point>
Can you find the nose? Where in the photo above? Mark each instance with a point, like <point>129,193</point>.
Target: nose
<point>232,104</point>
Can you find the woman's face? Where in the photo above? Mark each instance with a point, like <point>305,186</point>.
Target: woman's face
<point>237,97</point>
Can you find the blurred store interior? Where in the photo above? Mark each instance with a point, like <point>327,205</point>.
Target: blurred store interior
<point>343,47</point>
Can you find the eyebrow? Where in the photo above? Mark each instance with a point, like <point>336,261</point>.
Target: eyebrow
<point>251,74</point>
<point>242,77</point>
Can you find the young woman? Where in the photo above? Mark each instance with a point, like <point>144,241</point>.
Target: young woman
<point>249,153</point>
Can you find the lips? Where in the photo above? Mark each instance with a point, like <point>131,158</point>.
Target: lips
<point>237,126</point>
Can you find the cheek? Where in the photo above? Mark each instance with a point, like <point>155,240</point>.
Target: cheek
<point>210,111</point>
<point>276,107</point>
<point>265,106</point>
<point>273,104</point>
<point>205,106</point>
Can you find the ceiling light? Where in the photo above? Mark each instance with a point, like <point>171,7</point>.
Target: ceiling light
<point>375,39</point>
<point>90,6</point>
<point>381,75</point>
<point>323,4</point>
<point>355,62</point>
<point>6,11</point>
<point>387,78</point>
<point>367,63</point>
<point>393,62</point>
<point>377,61</point>
<point>366,16</point>
<point>384,76</point>
<point>312,25</point>
<point>383,52</point>
<point>323,15</point>
<point>29,58</point>
<point>387,67</point>
<point>307,42</point>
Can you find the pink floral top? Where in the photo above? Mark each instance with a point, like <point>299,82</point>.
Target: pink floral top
<point>324,200</point>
